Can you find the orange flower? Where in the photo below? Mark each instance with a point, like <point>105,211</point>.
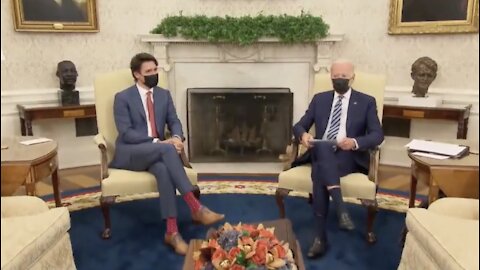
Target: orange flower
<point>260,256</point>
<point>278,251</point>
<point>248,228</point>
<point>218,257</point>
<point>198,264</point>
<point>232,254</point>
<point>266,234</point>
<point>213,244</point>
<point>237,267</point>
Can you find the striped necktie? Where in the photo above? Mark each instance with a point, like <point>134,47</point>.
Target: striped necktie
<point>335,120</point>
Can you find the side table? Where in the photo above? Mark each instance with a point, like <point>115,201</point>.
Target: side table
<point>27,165</point>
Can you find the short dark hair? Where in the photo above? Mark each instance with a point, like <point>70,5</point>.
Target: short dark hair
<point>139,59</point>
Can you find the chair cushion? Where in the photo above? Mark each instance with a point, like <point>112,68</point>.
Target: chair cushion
<point>456,207</point>
<point>124,182</point>
<point>355,185</point>
<point>26,238</point>
<point>450,241</point>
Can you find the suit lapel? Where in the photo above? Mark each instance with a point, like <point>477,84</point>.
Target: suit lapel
<point>157,101</point>
<point>352,110</point>
<point>327,108</point>
<point>137,102</point>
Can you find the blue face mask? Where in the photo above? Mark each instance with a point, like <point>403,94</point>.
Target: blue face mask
<point>341,85</point>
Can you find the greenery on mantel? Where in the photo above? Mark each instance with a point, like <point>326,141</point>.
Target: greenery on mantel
<point>245,30</point>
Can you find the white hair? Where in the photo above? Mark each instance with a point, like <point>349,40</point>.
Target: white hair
<point>343,61</point>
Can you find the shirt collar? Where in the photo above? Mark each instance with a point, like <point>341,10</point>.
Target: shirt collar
<point>143,90</point>
<point>346,96</point>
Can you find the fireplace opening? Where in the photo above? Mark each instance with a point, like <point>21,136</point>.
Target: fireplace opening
<point>238,124</point>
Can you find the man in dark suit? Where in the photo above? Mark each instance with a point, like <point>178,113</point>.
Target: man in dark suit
<point>346,126</point>
<point>141,113</point>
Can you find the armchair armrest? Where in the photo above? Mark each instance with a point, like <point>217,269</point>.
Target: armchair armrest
<point>99,140</point>
<point>102,145</point>
<point>14,206</point>
<point>185,161</point>
<point>373,166</point>
<point>291,153</point>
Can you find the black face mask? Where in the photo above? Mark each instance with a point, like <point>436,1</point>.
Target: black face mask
<point>151,80</point>
<point>341,85</point>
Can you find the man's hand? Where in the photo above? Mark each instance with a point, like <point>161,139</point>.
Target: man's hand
<point>347,144</point>
<point>177,143</point>
<point>306,138</point>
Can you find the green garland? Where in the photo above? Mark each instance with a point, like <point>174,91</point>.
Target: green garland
<point>244,30</point>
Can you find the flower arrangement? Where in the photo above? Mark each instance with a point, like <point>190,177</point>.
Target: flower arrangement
<point>244,247</point>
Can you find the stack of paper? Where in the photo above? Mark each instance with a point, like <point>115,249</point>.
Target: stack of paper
<point>436,150</point>
<point>35,141</point>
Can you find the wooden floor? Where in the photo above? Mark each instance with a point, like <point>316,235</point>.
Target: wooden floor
<point>390,177</point>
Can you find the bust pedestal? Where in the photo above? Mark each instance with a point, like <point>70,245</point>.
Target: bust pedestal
<point>430,102</point>
<point>69,97</point>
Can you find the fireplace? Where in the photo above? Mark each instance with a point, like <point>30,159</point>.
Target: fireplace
<point>238,124</point>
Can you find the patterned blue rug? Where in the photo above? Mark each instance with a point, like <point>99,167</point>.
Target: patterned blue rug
<point>137,233</point>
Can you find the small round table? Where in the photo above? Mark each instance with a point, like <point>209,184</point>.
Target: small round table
<point>27,165</point>
<point>455,177</point>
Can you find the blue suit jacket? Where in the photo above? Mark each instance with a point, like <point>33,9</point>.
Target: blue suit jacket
<point>362,124</point>
<point>131,121</point>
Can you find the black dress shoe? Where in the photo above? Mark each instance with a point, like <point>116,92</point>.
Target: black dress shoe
<point>345,222</point>
<point>318,248</point>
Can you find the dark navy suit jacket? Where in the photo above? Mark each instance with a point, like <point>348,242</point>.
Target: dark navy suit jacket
<point>131,121</point>
<point>362,124</point>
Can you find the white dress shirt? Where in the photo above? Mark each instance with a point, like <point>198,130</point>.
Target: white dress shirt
<point>342,132</point>
<point>143,95</point>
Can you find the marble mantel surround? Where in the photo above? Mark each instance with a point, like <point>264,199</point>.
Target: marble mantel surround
<point>266,63</point>
<point>161,44</point>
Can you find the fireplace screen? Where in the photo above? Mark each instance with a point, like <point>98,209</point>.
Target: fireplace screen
<point>238,124</point>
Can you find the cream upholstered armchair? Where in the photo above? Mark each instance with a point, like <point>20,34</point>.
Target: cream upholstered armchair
<point>355,185</point>
<point>444,236</point>
<point>33,236</point>
<point>116,182</point>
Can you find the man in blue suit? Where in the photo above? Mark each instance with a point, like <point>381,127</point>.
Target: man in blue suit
<point>141,113</point>
<point>346,126</point>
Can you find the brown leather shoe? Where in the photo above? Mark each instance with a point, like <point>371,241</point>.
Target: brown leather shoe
<point>177,243</point>
<point>206,217</point>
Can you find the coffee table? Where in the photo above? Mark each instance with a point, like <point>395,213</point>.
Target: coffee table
<point>283,231</point>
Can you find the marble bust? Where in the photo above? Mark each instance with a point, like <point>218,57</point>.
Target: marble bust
<point>67,74</point>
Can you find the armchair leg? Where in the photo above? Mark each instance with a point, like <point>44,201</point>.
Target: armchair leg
<point>105,203</point>
<point>280,196</point>
<point>372,209</point>
<point>196,192</point>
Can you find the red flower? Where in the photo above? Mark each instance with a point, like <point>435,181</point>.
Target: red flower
<point>237,267</point>
<point>219,254</point>
<point>260,257</point>
<point>279,251</point>
<point>233,253</point>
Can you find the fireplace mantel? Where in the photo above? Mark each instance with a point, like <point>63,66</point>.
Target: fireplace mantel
<point>268,63</point>
<point>322,48</point>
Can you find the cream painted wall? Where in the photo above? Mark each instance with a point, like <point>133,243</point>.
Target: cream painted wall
<point>31,57</point>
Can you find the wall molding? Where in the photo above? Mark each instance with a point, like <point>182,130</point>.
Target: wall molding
<point>48,96</point>
<point>448,95</point>
<point>10,98</point>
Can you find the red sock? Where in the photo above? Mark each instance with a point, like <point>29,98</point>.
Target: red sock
<point>172,225</point>
<point>192,202</point>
